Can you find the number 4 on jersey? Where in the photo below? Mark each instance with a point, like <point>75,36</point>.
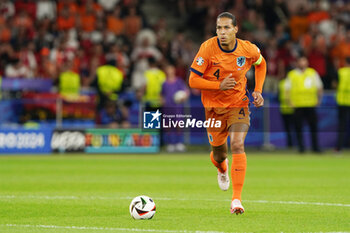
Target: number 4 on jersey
<point>242,112</point>
<point>217,73</point>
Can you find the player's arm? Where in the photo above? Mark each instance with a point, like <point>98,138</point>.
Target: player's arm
<point>196,81</point>
<point>260,74</point>
<point>198,68</point>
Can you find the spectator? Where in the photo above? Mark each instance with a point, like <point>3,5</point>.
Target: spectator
<point>45,36</point>
<point>273,69</point>
<point>174,94</point>
<point>121,57</point>
<point>5,30</point>
<point>115,23</point>
<point>318,60</point>
<point>97,58</point>
<point>144,50</point>
<point>45,9</point>
<point>285,58</point>
<point>160,29</point>
<point>23,20</point>
<point>69,5</point>
<point>177,48</point>
<point>88,15</point>
<point>318,13</point>
<point>27,57</point>
<point>133,24</point>
<point>46,68</point>
<point>98,35</point>
<point>113,117</point>
<point>66,20</point>
<point>28,6</point>
<point>60,53</point>
<point>298,23</point>
<point>7,55</point>
<point>261,34</point>
<point>16,69</point>
<point>341,49</point>
<point>7,8</point>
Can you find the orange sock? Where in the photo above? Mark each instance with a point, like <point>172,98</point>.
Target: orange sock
<point>221,166</point>
<point>238,168</point>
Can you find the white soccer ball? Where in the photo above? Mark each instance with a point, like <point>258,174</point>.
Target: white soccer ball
<point>142,207</point>
<point>179,96</point>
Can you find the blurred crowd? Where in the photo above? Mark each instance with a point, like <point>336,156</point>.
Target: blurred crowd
<point>283,30</point>
<point>48,38</point>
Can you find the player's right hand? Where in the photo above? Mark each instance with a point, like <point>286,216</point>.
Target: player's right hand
<point>228,83</point>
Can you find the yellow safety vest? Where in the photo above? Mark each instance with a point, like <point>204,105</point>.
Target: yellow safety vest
<point>303,92</point>
<point>154,81</point>
<point>69,84</point>
<point>110,80</point>
<point>343,91</point>
<point>284,106</point>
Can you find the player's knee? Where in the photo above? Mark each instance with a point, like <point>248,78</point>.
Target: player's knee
<point>219,156</point>
<point>237,146</point>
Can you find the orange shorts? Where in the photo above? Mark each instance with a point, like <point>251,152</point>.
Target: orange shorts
<point>218,136</point>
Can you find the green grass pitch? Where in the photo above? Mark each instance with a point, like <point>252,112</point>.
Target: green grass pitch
<point>283,192</point>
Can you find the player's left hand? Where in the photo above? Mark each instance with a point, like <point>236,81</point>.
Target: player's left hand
<point>258,99</point>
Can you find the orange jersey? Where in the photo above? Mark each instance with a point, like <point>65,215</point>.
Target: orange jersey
<point>214,63</point>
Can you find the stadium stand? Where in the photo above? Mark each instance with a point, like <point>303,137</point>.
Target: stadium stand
<point>39,38</point>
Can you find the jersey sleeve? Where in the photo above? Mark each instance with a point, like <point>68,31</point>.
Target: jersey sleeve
<point>200,62</point>
<point>255,54</point>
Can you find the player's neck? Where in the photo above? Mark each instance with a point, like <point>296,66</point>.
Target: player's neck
<point>229,46</point>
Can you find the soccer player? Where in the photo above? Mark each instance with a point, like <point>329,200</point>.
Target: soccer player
<point>218,70</point>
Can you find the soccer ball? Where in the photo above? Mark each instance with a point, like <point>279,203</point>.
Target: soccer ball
<point>142,207</point>
<point>179,96</point>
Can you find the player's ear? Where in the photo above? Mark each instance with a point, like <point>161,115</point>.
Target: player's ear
<point>236,29</point>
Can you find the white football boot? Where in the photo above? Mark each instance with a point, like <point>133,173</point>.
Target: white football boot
<point>224,179</point>
<point>236,207</point>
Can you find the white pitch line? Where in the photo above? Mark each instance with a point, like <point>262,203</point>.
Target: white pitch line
<point>300,203</point>
<point>106,228</point>
<point>164,199</point>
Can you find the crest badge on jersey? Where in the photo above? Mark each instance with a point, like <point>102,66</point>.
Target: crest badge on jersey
<point>240,61</point>
<point>200,61</point>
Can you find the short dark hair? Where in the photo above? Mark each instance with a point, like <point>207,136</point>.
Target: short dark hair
<point>228,15</point>
<point>152,60</point>
<point>301,55</point>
